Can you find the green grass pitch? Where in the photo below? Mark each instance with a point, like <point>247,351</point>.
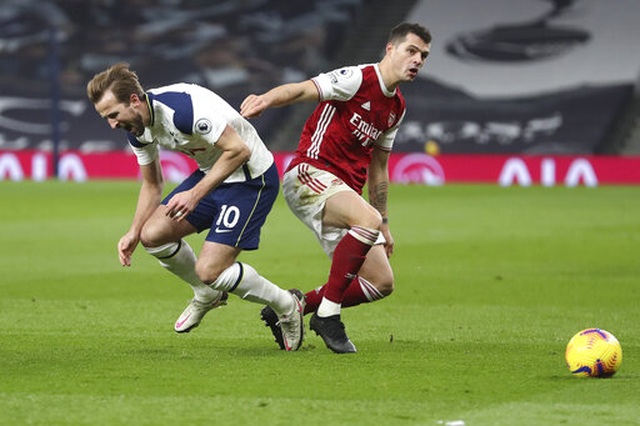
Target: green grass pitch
<point>491,283</point>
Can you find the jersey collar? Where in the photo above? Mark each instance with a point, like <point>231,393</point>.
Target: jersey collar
<point>383,87</point>
<point>152,113</point>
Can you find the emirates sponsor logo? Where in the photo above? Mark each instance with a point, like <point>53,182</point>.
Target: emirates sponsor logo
<point>364,131</point>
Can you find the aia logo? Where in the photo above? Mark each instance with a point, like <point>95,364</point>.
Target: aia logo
<point>418,168</point>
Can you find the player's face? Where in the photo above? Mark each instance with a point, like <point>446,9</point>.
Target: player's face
<point>121,115</point>
<point>409,56</point>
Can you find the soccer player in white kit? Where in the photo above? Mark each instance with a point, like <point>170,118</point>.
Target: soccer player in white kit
<point>230,193</point>
<point>346,143</point>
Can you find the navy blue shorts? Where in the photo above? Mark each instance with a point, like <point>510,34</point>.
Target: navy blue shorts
<point>234,212</point>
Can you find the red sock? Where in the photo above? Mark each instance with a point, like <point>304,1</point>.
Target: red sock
<point>348,257</point>
<point>359,291</point>
<point>313,299</point>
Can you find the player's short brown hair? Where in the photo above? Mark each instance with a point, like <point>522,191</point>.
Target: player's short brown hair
<point>119,79</point>
<point>400,31</point>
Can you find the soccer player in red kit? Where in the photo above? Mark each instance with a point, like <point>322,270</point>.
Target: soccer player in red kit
<point>346,143</point>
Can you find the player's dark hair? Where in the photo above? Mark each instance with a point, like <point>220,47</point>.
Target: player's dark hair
<point>400,31</point>
<point>119,79</point>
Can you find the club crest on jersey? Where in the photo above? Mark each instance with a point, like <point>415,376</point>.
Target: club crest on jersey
<point>392,118</point>
<point>203,126</point>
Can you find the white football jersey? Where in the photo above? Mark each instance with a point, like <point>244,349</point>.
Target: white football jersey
<point>190,119</point>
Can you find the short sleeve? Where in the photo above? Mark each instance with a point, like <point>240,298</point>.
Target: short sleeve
<point>146,154</point>
<point>339,85</point>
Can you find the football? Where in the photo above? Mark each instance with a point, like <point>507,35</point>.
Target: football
<point>593,353</point>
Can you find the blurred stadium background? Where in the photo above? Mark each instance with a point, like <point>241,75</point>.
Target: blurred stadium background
<point>515,92</point>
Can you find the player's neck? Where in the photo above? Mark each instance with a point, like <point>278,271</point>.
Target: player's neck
<point>388,78</point>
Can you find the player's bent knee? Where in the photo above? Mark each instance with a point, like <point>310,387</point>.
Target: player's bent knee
<point>151,235</point>
<point>386,287</point>
<point>384,282</point>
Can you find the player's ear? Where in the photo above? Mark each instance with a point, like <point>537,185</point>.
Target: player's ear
<point>390,46</point>
<point>134,99</point>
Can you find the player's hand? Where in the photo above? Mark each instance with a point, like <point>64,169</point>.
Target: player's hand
<point>253,106</point>
<point>181,205</point>
<point>388,246</point>
<point>126,247</point>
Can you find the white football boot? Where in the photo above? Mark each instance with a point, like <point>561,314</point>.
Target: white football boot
<point>292,325</point>
<point>193,314</point>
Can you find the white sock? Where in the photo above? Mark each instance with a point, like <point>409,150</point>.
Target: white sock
<point>328,308</point>
<point>244,281</point>
<point>179,259</point>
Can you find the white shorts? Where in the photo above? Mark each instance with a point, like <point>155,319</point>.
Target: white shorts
<point>306,190</point>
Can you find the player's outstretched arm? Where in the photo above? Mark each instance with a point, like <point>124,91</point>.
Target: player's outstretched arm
<point>279,96</point>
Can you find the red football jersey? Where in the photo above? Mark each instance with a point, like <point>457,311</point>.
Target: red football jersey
<point>355,112</point>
